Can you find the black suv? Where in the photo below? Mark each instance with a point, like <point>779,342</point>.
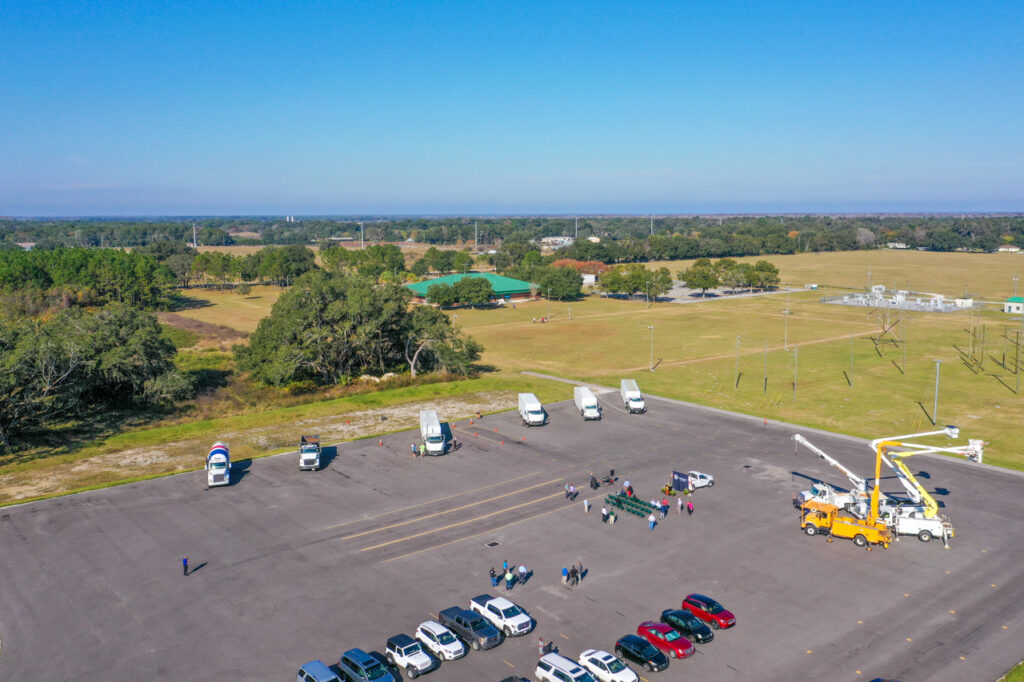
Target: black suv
<point>633,648</point>
<point>688,625</point>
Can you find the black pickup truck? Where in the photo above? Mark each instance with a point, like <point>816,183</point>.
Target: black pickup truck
<point>472,628</point>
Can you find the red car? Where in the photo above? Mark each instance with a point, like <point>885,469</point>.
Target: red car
<point>666,638</point>
<point>709,611</point>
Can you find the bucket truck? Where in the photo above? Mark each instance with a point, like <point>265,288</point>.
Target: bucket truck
<point>922,518</point>
<point>855,501</point>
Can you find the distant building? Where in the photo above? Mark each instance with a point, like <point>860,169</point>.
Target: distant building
<point>26,245</point>
<point>589,279</point>
<point>556,242</point>
<point>1008,248</point>
<point>505,288</point>
<point>896,245</point>
<point>1014,305</point>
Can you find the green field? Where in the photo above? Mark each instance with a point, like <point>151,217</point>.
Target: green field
<point>987,276</point>
<point>701,349</point>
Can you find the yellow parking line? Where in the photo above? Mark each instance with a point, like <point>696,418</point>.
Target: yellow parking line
<point>474,535</point>
<point>507,663</point>
<point>438,499</point>
<point>449,511</point>
<point>459,523</point>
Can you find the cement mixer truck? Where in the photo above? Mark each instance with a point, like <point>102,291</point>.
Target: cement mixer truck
<point>218,465</point>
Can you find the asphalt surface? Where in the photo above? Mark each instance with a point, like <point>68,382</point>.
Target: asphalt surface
<point>289,566</point>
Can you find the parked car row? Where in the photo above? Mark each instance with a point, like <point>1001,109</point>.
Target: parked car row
<point>650,648</point>
<point>483,626</point>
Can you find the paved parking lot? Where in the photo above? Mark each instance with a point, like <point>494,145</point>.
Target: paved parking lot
<point>295,565</point>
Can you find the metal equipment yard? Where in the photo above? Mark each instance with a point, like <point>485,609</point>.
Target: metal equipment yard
<point>289,566</point>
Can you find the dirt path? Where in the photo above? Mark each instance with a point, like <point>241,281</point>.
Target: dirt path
<point>187,455</point>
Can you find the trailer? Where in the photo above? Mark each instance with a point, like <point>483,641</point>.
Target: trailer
<point>586,403</point>
<point>530,410</point>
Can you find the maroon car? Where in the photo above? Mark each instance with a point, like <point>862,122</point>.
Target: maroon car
<point>709,611</point>
<point>665,638</point>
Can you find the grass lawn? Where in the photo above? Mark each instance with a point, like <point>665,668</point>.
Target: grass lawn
<point>229,308</point>
<point>702,349</point>
<point>988,276</point>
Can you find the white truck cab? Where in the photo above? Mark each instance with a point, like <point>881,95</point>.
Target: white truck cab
<point>218,465</point>
<point>431,433</point>
<point>632,399</point>
<point>586,403</point>
<point>530,409</point>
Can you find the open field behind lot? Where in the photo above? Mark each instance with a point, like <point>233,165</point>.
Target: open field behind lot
<point>229,308</point>
<point>697,356</point>
<point>290,566</point>
<point>987,276</point>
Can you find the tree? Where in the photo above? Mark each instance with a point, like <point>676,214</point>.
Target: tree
<point>764,275</point>
<point>328,328</point>
<point>441,294</point>
<point>473,291</point>
<point>560,283</point>
<point>433,341</point>
<point>463,261</point>
<point>420,267</point>
<point>701,277</point>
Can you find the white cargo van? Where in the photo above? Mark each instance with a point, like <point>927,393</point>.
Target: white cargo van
<point>531,410</point>
<point>431,433</point>
<point>632,399</point>
<point>586,403</point>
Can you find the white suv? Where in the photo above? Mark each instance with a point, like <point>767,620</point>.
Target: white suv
<point>558,668</point>
<point>441,641</point>
<point>605,667</point>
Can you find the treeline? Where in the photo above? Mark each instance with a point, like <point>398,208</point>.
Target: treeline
<point>76,363</point>
<point>30,279</point>
<point>330,328</point>
<point>664,238</point>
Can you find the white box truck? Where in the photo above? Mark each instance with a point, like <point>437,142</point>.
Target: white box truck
<point>632,399</point>
<point>531,410</point>
<point>218,465</point>
<point>431,433</point>
<point>586,403</point>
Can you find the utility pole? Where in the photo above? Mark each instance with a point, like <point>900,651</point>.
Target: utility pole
<point>796,365</point>
<point>736,370</point>
<point>935,407</point>
<point>903,332</point>
<point>1015,286</point>
<point>195,238</point>
<point>362,242</point>
<point>1017,365</point>
<point>851,361</point>
<point>785,342</point>
<point>764,371</point>
<point>476,236</point>
<point>651,327</point>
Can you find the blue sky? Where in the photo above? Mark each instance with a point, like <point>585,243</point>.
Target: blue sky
<point>173,108</point>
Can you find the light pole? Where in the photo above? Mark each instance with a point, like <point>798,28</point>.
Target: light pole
<point>736,372</point>
<point>1015,286</point>
<point>935,407</point>
<point>549,303</point>
<point>651,327</point>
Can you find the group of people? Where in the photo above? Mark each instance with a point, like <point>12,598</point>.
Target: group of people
<point>509,575</point>
<point>571,575</point>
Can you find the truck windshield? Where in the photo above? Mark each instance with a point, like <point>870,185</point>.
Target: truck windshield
<point>435,439</point>
<point>536,413</point>
<point>511,612</point>
<point>218,465</point>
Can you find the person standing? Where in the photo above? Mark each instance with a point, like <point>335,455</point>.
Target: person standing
<point>689,508</point>
<point>540,647</point>
<point>625,484</point>
<point>504,566</point>
<point>586,506</point>
<point>579,567</point>
<point>423,450</point>
<point>184,565</point>
<point>522,574</point>
<point>494,577</point>
<point>651,521</point>
<point>508,580</point>
<point>565,575</point>
<point>679,505</point>
<point>604,514</point>
<point>415,451</point>
<point>572,492</point>
<point>574,576</point>
<point>664,507</point>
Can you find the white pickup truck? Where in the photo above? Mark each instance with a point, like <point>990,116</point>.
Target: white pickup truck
<point>503,614</point>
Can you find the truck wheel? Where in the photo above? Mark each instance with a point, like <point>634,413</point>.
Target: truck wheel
<point>860,540</point>
<point>476,645</point>
<point>711,484</point>
<point>811,529</point>
<point>508,631</point>
<point>413,673</point>
<point>924,536</point>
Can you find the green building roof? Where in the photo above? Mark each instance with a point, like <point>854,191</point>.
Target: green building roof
<point>1015,299</point>
<point>503,286</point>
